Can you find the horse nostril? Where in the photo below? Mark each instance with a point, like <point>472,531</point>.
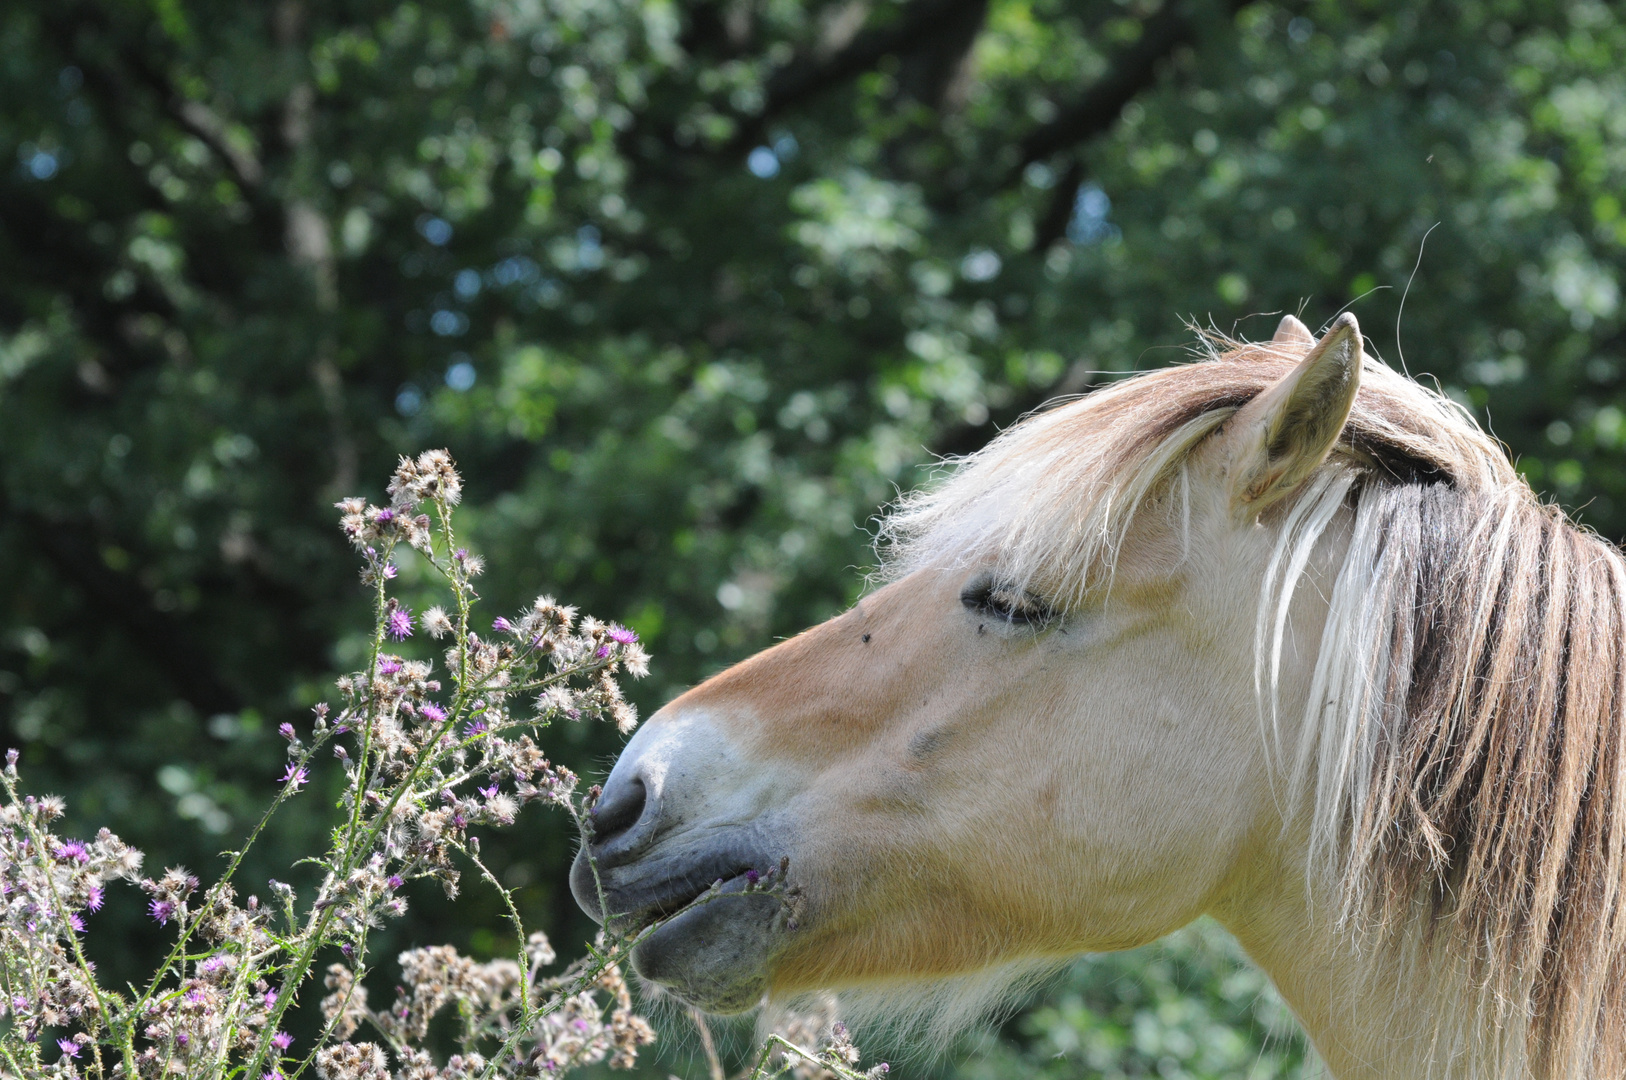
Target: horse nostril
<point>618,809</point>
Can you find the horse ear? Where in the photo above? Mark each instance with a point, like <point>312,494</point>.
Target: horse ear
<point>1290,331</point>
<point>1277,439</point>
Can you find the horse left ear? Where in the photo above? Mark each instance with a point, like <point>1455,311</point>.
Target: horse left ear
<point>1279,438</point>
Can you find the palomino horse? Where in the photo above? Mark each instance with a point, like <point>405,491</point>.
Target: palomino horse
<point>1279,636</point>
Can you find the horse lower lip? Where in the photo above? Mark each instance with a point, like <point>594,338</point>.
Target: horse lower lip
<point>715,955</point>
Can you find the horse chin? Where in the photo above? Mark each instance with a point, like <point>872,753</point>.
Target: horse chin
<point>716,956</point>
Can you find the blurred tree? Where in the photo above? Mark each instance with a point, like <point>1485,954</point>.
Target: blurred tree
<point>690,289</point>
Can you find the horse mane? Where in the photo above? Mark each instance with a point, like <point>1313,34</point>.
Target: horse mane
<point>1463,746</point>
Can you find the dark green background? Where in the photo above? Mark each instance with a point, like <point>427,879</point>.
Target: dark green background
<point>691,289</point>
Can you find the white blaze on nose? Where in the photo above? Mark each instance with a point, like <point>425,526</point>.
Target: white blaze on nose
<point>693,772</point>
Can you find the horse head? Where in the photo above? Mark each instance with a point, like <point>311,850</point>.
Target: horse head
<point>1098,696</point>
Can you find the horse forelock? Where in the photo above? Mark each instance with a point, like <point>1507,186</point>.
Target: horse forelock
<point>1463,756</point>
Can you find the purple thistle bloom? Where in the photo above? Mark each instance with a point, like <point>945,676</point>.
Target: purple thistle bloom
<point>394,881</point>
<point>94,900</point>
<point>399,624</point>
<point>195,995</point>
<point>752,877</point>
<point>348,949</point>
<point>295,776</point>
<point>76,922</point>
<point>390,571</point>
<point>502,625</point>
<point>69,1048</point>
<point>282,1040</point>
<point>182,1039</point>
<point>385,516</point>
<point>162,910</point>
<point>270,999</point>
<point>602,651</point>
<point>461,554</point>
<point>388,665</point>
<point>474,727</point>
<point>489,792</point>
<point>432,712</point>
<point>71,849</point>
<point>286,730</point>
<point>623,635</point>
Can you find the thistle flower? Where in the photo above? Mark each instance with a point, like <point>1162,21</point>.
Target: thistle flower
<point>71,850</point>
<point>407,812</point>
<point>436,623</point>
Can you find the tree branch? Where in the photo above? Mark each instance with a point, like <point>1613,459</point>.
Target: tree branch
<point>1132,71</point>
<point>921,23</point>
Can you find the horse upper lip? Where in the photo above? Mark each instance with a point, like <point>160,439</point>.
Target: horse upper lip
<point>661,884</point>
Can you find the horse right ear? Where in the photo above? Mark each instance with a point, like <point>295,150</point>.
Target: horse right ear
<point>1277,440</point>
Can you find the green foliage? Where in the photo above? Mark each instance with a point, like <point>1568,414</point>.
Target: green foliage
<point>691,289</point>
<point>1189,1008</point>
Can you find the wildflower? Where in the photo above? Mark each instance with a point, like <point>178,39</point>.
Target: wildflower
<point>282,1040</point>
<point>394,881</point>
<point>399,624</point>
<point>432,712</point>
<point>502,625</point>
<point>622,635</point>
<point>475,727</point>
<point>93,899</point>
<point>286,730</point>
<point>390,571</point>
<point>436,622</point>
<point>389,665</point>
<point>76,922</point>
<point>162,910</point>
<point>295,776</point>
<point>72,850</point>
<point>69,1048</point>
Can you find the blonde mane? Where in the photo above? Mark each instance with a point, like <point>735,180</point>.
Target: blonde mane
<point>1463,746</point>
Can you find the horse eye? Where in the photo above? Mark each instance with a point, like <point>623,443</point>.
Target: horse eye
<point>1008,604</point>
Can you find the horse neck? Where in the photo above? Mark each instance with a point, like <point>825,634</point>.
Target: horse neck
<point>1374,1010</point>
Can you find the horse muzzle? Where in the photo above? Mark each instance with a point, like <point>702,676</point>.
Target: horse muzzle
<point>667,846</point>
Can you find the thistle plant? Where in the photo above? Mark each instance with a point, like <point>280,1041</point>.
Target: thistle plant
<point>425,755</point>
